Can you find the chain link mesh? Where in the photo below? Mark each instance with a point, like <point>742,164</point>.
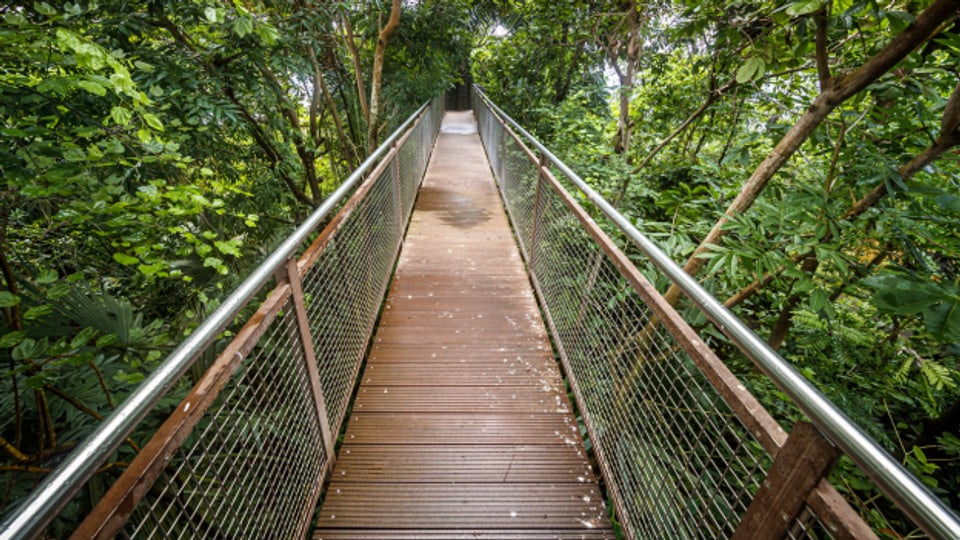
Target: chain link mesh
<point>344,289</point>
<point>807,526</point>
<point>518,187</point>
<point>681,462</point>
<point>252,464</point>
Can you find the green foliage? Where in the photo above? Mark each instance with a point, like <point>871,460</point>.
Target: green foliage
<point>938,303</point>
<point>545,57</point>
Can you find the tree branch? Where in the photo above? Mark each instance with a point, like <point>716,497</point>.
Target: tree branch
<point>379,55</point>
<point>306,155</point>
<point>948,138</point>
<point>926,25</point>
<point>103,384</point>
<point>823,59</point>
<point>950,122</point>
<point>349,150</point>
<point>13,451</point>
<point>46,421</point>
<point>357,73</point>
<point>83,408</point>
<point>272,154</point>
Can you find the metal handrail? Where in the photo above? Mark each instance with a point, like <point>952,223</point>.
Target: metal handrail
<point>892,478</point>
<point>46,500</point>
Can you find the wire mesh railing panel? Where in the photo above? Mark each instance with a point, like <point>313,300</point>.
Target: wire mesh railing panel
<point>413,156</point>
<point>411,167</point>
<point>344,289</point>
<point>251,466</point>
<point>807,526</point>
<point>490,135</point>
<point>518,180</point>
<point>682,464</point>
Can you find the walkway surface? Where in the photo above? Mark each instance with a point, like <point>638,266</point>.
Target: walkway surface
<point>461,428</point>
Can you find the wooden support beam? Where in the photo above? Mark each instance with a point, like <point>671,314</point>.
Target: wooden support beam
<point>310,358</point>
<point>805,459</point>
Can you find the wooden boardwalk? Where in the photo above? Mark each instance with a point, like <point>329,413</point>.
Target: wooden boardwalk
<point>462,427</point>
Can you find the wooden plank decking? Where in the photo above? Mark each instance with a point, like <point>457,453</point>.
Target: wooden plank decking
<point>461,428</point>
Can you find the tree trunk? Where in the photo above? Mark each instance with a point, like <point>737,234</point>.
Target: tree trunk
<point>273,156</point>
<point>357,72</point>
<point>627,78</point>
<point>782,327</point>
<point>373,127</point>
<point>835,91</point>
<point>349,150</point>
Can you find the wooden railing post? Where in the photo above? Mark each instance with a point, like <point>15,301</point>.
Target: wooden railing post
<point>310,357</point>
<point>805,459</point>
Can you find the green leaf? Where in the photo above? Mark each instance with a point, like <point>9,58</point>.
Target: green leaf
<point>14,19</point>
<point>242,26</point>
<point>36,382</point>
<point>93,87</point>
<point>152,121</point>
<point>58,291</point>
<point>949,202</point>
<point>8,299</point>
<point>819,300</point>
<point>47,276</point>
<point>25,350</point>
<point>129,378</point>
<point>83,338</point>
<point>37,312</point>
<point>899,20</point>
<point>267,34</point>
<point>44,9</point>
<point>154,147</point>
<point>211,14</point>
<point>11,339</point>
<point>151,269</point>
<point>125,259</point>
<point>113,146</point>
<point>228,248</point>
<point>943,320</point>
<point>804,7</point>
<point>751,70</point>
<point>75,154</point>
<point>217,264</point>
<point>120,115</point>
<point>903,296</point>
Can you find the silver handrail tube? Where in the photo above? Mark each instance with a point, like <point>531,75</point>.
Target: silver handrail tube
<point>57,488</point>
<point>895,481</point>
